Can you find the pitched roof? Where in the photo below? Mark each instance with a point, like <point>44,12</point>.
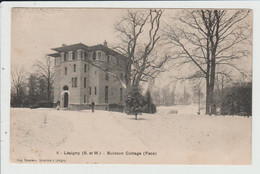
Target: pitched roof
<point>77,46</point>
<point>54,55</point>
<point>73,47</point>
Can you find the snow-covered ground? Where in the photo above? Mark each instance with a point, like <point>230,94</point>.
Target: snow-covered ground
<point>183,138</point>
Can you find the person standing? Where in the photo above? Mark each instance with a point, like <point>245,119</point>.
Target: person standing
<point>58,105</point>
<point>93,105</point>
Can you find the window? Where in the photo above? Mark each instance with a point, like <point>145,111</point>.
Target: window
<point>107,58</point>
<point>99,55</point>
<point>85,82</point>
<point>65,88</point>
<point>89,90</point>
<point>106,76</point>
<point>81,54</point>
<point>95,90</point>
<point>66,56</point>
<point>94,55</point>
<point>74,55</point>
<point>74,81</point>
<point>121,94</point>
<point>86,56</point>
<point>65,71</point>
<point>85,98</point>
<point>85,68</point>
<point>106,94</point>
<point>74,67</point>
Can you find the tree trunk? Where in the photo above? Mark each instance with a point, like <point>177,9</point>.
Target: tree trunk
<point>135,116</point>
<point>211,98</point>
<point>128,84</point>
<point>48,89</point>
<point>207,96</point>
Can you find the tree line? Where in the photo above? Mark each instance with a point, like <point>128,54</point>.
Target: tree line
<point>31,88</point>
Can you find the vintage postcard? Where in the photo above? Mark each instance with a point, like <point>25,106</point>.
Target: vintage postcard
<point>131,86</point>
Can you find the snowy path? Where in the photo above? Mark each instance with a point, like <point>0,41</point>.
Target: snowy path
<point>183,138</point>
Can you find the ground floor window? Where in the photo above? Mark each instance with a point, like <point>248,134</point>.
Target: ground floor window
<point>106,94</point>
<point>121,94</point>
<point>85,82</point>
<point>85,98</point>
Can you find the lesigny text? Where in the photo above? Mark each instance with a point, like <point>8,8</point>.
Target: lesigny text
<point>71,153</point>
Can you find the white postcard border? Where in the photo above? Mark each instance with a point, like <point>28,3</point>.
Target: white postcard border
<point>8,168</point>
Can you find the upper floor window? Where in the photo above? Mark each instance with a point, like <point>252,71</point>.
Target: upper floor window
<point>89,90</point>
<point>74,81</point>
<point>86,55</point>
<point>99,55</point>
<point>85,68</point>
<point>74,55</point>
<point>95,90</point>
<point>85,82</point>
<point>106,76</point>
<point>107,58</point>
<point>65,71</point>
<point>94,55</point>
<point>81,54</point>
<point>66,57</point>
<point>62,57</point>
<point>74,67</point>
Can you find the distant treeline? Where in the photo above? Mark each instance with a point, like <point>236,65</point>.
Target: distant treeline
<point>32,92</point>
<point>29,89</point>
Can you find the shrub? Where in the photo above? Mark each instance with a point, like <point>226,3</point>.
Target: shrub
<point>149,107</point>
<point>42,104</point>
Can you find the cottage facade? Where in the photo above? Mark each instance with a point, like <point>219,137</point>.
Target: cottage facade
<point>82,76</point>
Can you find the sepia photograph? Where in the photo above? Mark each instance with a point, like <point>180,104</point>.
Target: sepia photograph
<point>131,86</point>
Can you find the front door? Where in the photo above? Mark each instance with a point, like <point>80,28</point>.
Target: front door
<point>66,100</point>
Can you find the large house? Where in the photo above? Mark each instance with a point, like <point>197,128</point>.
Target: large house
<point>86,73</point>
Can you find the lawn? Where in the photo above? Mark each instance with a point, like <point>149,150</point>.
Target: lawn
<point>167,137</point>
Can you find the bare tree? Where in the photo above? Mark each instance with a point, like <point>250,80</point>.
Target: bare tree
<point>46,72</point>
<point>139,34</point>
<point>206,39</point>
<point>18,86</point>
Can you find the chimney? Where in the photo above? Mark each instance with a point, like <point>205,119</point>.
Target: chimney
<point>105,43</point>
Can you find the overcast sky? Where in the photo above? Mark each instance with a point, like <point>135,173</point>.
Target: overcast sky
<point>36,31</point>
